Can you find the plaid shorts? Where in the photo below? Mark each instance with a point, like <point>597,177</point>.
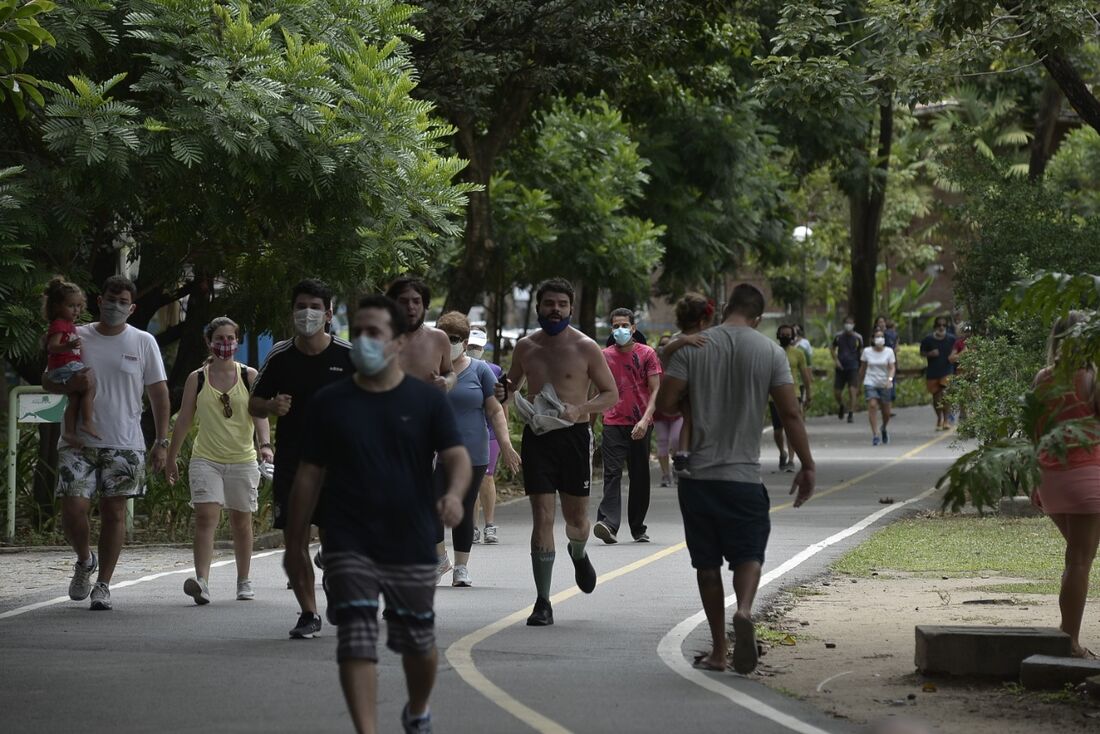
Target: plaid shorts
<point>353,584</point>
<point>87,471</point>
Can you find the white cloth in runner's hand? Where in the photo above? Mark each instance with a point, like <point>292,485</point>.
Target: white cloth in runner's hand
<point>543,415</point>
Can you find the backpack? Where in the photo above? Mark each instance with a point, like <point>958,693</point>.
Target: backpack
<point>244,379</point>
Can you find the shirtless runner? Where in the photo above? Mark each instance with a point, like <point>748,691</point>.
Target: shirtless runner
<point>425,356</point>
<point>560,460</point>
<point>427,351</point>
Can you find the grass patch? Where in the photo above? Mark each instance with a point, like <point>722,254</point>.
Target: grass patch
<point>966,545</point>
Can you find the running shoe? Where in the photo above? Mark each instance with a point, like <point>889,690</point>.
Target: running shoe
<point>680,464</point>
<point>874,441</point>
<point>666,481</point>
<point>885,436</point>
<point>443,567</point>
<point>542,615</point>
<point>782,462</point>
<point>477,535</point>
<point>840,412</point>
<point>308,627</point>
<point>642,538</point>
<point>490,536</point>
<point>419,725</point>
<point>81,585</point>
<point>604,532</point>
<point>318,559</point>
<point>461,577</point>
<point>244,590</point>
<point>101,597</point>
<point>850,417</point>
<point>584,574</point>
<point>197,589</point>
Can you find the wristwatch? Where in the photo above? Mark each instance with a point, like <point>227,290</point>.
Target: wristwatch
<point>266,445</point>
<point>161,443</point>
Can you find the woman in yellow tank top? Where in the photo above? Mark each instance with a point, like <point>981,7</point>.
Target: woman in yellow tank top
<point>223,470</point>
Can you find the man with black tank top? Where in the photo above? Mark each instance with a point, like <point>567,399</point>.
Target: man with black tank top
<point>294,371</point>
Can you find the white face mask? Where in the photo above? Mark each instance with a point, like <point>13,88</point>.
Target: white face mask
<point>849,327</point>
<point>880,341</point>
<point>456,351</point>
<point>475,352</point>
<point>114,314</point>
<point>308,321</point>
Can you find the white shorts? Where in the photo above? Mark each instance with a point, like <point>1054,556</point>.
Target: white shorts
<point>231,485</point>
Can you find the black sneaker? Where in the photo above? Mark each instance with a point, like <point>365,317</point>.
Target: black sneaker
<point>419,725</point>
<point>585,575</point>
<point>319,560</point>
<point>849,416</point>
<point>680,464</point>
<point>885,436</point>
<point>543,614</point>
<point>782,462</point>
<point>840,412</point>
<point>308,627</point>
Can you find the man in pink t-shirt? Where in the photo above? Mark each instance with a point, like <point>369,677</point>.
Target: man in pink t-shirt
<point>626,430</point>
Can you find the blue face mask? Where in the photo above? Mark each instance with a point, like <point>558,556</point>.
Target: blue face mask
<point>621,335</point>
<point>368,355</point>
<point>553,328</point>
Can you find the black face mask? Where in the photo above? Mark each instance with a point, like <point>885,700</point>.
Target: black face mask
<point>785,341</point>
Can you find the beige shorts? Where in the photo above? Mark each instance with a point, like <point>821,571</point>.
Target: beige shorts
<point>231,485</point>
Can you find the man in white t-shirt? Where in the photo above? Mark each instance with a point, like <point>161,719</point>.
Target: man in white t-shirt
<point>126,362</point>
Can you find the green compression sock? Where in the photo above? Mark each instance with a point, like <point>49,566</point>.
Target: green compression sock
<point>576,549</point>
<point>542,564</point>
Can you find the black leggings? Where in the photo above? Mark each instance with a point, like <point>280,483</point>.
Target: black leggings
<point>462,535</point>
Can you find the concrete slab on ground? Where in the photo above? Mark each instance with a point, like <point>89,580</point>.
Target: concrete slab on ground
<point>988,652</point>
<point>1049,673</point>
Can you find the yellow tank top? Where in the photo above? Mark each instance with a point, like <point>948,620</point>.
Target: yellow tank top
<point>220,439</point>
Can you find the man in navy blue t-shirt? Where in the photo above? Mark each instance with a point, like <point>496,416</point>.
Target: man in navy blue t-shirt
<point>369,450</point>
<point>936,348</point>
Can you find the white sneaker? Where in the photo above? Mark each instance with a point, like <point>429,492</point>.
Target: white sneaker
<point>81,585</point>
<point>443,567</point>
<point>197,589</point>
<point>490,537</point>
<point>477,534</point>
<point>244,590</point>
<point>461,577</point>
<point>101,596</point>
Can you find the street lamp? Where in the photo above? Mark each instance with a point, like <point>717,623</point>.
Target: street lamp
<point>800,235</point>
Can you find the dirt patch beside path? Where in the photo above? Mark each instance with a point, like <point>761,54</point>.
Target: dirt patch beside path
<point>853,650</point>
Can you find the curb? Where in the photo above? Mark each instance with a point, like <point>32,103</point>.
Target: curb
<point>265,541</point>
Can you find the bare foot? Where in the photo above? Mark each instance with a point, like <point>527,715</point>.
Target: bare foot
<point>713,661</point>
<point>745,654</point>
<point>90,429</point>
<point>73,439</point>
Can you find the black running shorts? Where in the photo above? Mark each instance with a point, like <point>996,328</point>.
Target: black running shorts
<point>558,461</point>
<point>724,519</point>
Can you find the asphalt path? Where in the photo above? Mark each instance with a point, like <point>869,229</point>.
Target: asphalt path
<point>616,660</point>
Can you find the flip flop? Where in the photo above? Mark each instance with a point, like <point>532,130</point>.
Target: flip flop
<point>744,645</point>
<point>701,663</point>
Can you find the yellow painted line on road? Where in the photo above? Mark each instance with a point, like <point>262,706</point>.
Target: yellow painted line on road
<point>460,653</point>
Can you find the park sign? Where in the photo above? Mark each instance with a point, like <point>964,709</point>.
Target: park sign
<point>40,408</point>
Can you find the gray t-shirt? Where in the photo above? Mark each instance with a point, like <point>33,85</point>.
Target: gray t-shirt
<point>728,381</point>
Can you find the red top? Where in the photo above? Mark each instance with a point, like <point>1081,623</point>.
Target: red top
<point>631,371</point>
<point>1072,407</point>
<point>67,330</point>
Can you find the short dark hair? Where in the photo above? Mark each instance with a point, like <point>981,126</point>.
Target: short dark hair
<point>116,284</point>
<point>940,319</point>
<point>554,285</point>
<point>622,312</point>
<point>785,326</point>
<point>405,282</point>
<point>746,300</point>
<point>312,287</point>
<point>399,323</point>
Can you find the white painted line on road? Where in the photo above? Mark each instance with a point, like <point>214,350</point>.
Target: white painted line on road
<point>670,648</point>
<point>123,584</point>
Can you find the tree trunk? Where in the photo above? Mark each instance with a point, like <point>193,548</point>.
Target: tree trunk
<point>1046,124</point>
<point>467,280</point>
<point>1077,92</point>
<point>586,311</point>
<point>866,204</point>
